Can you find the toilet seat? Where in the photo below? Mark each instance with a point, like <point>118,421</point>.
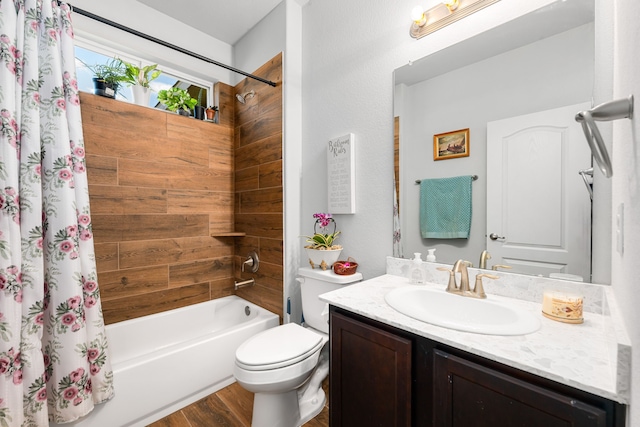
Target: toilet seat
<point>278,347</point>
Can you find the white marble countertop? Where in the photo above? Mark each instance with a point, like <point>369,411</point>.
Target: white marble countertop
<point>594,356</point>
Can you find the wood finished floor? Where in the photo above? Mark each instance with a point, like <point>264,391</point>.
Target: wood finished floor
<point>229,407</point>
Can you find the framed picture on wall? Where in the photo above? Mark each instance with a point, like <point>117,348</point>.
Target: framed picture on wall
<point>451,145</point>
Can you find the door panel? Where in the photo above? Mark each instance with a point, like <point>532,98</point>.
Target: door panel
<point>537,204</point>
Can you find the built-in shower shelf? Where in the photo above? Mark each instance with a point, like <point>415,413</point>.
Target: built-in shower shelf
<point>229,234</point>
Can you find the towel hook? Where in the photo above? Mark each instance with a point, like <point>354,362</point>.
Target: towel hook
<point>612,110</point>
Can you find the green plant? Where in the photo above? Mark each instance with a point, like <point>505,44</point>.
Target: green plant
<point>113,72</point>
<point>323,239</point>
<point>200,98</point>
<point>141,76</point>
<point>176,99</point>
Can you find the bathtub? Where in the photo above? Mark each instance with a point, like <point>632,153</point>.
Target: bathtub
<point>166,361</point>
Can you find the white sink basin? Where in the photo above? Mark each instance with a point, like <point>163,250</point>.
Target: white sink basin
<point>461,313</point>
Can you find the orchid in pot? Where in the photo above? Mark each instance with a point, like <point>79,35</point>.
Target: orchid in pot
<point>321,249</point>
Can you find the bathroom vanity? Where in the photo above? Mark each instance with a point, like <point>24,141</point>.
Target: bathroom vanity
<point>389,369</point>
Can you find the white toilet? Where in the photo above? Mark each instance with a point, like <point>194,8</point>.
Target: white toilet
<point>285,366</point>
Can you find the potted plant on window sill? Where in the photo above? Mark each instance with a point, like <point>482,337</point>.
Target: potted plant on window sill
<point>211,113</point>
<point>177,100</point>
<point>108,77</point>
<point>139,78</point>
<point>199,109</point>
<point>321,250</point>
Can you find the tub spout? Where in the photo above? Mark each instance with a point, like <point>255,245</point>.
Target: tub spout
<point>244,283</point>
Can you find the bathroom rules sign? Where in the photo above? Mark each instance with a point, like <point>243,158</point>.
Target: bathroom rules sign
<point>341,172</point>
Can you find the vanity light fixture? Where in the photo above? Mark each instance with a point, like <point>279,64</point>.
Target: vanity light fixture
<point>439,16</point>
<point>418,17</point>
<point>452,4</point>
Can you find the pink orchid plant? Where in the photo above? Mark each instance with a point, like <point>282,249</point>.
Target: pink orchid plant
<point>322,239</point>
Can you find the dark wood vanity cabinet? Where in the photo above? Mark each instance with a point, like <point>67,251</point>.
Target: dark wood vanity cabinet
<point>370,375</point>
<point>383,376</point>
<point>470,394</point>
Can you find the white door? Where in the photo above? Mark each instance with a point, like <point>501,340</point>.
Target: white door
<point>538,208</point>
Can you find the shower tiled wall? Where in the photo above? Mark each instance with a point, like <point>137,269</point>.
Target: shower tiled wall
<point>258,184</point>
<point>165,189</point>
<point>160,185</point>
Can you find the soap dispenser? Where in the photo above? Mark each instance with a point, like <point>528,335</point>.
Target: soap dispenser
<point>431,256</point>
<point>416,272</point>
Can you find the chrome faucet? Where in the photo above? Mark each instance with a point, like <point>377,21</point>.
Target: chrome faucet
<point>484,256</point>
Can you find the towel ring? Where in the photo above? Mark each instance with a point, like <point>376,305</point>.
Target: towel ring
<point>612,110</point>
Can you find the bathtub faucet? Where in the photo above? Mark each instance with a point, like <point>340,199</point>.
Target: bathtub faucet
<point>251,261</point>
<point>244,283</point>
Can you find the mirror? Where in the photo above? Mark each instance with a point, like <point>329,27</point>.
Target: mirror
<point>540,61</point>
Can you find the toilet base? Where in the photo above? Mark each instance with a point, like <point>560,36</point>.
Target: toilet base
<point>311,396</point>
<point>294,407</point>
<point>275,409</point>
<point>285,409</point>
<point>312,407</point>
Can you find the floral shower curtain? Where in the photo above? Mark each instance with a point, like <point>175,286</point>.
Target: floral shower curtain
<point>54,363</point>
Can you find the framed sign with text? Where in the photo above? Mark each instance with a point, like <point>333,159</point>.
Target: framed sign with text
<point>341,174</point>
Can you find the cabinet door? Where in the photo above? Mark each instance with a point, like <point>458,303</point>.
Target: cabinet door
<point>370,376</point>
<point>468,394</point>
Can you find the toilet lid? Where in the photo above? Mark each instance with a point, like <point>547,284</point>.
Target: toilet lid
<point>278,347</point>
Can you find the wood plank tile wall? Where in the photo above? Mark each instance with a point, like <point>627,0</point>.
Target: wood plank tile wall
<point>258,185</point>
<point>159,185</point>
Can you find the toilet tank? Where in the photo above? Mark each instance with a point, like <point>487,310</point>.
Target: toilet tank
<point>315,282</point>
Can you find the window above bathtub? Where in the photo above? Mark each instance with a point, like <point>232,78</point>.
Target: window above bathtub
<point>89,54</point>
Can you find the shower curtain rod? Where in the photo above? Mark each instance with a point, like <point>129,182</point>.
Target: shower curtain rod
<point>165,44</point>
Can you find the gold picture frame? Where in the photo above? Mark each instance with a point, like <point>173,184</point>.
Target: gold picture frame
<point>451,145</point>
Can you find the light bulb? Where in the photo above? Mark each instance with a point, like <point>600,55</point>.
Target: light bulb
<point>417,15</point>
<point>452,4</point>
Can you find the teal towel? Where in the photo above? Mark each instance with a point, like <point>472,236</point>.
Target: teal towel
<point>445,207</point>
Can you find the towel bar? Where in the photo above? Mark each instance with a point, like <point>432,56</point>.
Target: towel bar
<point>473,177</point>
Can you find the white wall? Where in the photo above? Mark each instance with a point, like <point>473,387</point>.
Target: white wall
<point>626,181</point>
<point>281,31</point>
<point>292,153</point>
<point>350,50</point>
<point>262,43</point>
<point>146,20</point>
